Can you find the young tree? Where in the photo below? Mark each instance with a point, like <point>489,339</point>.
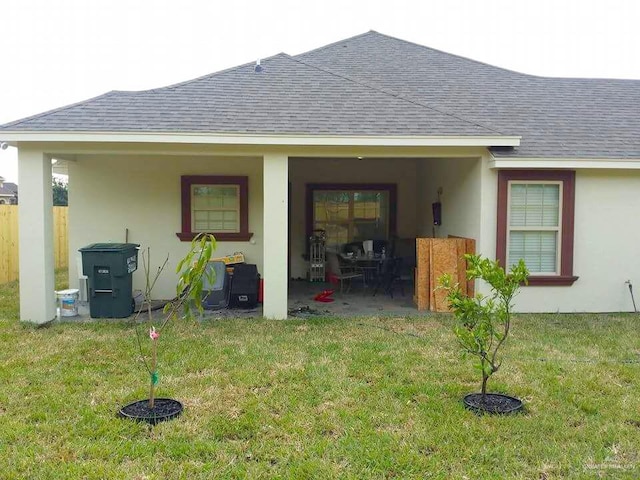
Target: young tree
<point>193,272</point>
<point>483,322</point>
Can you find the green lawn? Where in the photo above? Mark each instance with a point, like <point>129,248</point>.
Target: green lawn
<point>320,398</point>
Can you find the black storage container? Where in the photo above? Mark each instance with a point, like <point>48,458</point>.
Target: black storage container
<point>216,296</point>
<point>244,286</point>
<point>109,268</point>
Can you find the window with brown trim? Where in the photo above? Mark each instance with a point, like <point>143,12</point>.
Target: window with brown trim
<point>217,205</point>
<point>535,223</point>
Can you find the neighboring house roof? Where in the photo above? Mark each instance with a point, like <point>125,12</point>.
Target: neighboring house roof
<point>376,85</point>
<point>8,189</point>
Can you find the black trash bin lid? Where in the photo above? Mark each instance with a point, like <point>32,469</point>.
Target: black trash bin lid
<point>109,247</point>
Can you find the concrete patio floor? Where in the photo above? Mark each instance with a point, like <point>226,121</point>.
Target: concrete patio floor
<point>359,301</point>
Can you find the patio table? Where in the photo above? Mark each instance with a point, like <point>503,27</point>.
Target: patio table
<point>368,265</point>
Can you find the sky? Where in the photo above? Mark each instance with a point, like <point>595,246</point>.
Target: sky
<point>57,52</point>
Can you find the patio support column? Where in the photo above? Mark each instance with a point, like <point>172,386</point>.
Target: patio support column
<point>275,221</point>
<point>35,223</point>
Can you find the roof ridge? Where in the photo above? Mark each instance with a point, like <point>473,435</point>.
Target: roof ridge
<point>504,69</point>
<point>461,57</point>
<point>409,42</point>
<point>56,110</point>
<point>397,95</point>
<point>345,77</point>
<point>150,90</point>
<point>212,74</point>
<point>335,43</point>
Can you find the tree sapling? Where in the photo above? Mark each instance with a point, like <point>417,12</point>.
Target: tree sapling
<point>483,321</point>
<point>192,271</point>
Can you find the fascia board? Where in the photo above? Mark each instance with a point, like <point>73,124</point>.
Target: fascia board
<point>271,140</point>
<point>564,163</point>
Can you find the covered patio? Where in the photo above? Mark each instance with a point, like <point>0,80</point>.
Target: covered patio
<point>119,189</point>
<point>358,303</point>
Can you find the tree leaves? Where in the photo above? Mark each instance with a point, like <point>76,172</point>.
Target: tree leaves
<point>193,271</point>
<point>483,322</point>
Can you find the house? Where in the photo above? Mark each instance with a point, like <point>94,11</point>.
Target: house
<point>545,169</point>
<point>8,193</point>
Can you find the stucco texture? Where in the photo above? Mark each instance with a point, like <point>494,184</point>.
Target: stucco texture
<point>606,248</point>
<point>108,194</point>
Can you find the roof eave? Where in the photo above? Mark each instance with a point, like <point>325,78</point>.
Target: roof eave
<point>564,163</point>
<point>13,137</point>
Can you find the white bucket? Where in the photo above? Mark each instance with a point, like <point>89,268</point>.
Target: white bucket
<point>68,302</point>
<point>138,298</point>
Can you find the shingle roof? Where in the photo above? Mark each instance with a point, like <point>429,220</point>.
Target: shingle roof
<point>8,188</point>
<point>557,117</point>
<point>376,85</point>
<point>287,96</point>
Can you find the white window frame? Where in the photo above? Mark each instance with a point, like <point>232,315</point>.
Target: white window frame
<point>557,229</point>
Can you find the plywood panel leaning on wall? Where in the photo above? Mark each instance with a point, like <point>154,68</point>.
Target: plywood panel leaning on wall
<point>421,273</point>
<point>435,257</point>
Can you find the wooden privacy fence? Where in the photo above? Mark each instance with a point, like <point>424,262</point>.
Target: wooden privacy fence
<point>9,241</point>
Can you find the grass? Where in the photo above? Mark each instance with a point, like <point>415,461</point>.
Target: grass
<point>319,398</point>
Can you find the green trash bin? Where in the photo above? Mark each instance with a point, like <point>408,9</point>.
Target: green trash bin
<point>109,268</point>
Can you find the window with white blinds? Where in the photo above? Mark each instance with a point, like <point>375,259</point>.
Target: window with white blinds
<point>534,225</point>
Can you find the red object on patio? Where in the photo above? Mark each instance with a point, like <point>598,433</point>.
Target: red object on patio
<point>261,290</point>
<point>324,296</point>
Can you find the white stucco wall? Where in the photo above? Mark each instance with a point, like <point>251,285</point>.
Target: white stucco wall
<point>425,195</point>
<point>402,171</point>
<point>606,244</point>
<point>142,193</point>
<point>486,245</point>
<point>108,194</point>
<point>460,181</point>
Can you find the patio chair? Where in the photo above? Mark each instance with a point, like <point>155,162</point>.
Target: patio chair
<point>392,274</point>
<point>342,272</point>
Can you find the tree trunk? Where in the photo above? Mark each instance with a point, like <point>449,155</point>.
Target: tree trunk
<point>154,362</point>
<point>485,377</point>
